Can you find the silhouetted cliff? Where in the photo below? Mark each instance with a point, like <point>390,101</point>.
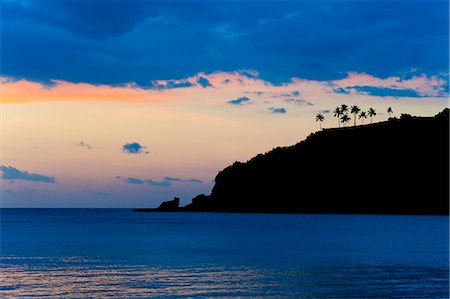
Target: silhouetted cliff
<point>400,166</point>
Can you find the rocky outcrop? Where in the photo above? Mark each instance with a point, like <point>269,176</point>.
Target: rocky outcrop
<point>166,206</point>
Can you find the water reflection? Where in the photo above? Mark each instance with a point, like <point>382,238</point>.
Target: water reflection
<point>78,277</point>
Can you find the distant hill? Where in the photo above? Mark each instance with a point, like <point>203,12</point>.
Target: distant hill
<point>400,166</point>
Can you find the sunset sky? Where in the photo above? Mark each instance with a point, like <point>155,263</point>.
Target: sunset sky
<point>128,103</point>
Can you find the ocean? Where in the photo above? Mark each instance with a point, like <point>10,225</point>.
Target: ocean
<point>117,253</point>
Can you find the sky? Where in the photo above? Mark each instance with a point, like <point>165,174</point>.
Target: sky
<point>129,103</point>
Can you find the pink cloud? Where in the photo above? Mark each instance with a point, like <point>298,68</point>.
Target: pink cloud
<point>424,86</point>
<point>225,86</point>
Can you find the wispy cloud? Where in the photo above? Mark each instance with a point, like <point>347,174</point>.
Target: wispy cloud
<point>24,191</point>
<point>165,182</point>
<point>134,181</point>
<point>229,84</point>
<point>298,102</point>
<point>12,173</point>
<point>158,183</point>
<point>294,93</point>
<point>385,91</point>
<point>170,84</point>
<point>325,111</point>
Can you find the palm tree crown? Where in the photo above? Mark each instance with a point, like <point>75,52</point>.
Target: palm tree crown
<point>363,116</point>
<point>354,110</point>
<point>344,109</point>
<point>337,113</point>
<point>345,119</point>
<point>320,118</point>
<point>372,113</point>
<point>390,111</point>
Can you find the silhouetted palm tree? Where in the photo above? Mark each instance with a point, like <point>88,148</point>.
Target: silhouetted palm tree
<point>355,110</point>
<point>345,119</point>
<point>338,113</point>
<point>363,116</point>
<point>371,113</point>
<point>390,111</point>
<point>344,109</point>
<point>320,118</point>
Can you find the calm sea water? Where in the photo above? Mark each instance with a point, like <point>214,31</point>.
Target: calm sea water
<point>98,253</point>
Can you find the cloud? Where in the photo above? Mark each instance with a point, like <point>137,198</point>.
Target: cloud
<point>353,84</point>
<point>140,41</point>
<point>258,93</point>
<point>193,181</point>
<point>277,110</point>
<point>385,92</point>
<point>134,181</point>
<point>170,84</point>
<point>12,173</point>
<point>165,182</point>
<point>203,82</point>
<point>84,144</point>
<point>171,179</point>
<point>239,101</point>
<point>341,90</point>
<point>299,102</point>
<point>158,183</point>
<point>407,86</point>
<point>25,191</point>
<point>325,111</point>
<point>134,148</point>
<point>294,93</point>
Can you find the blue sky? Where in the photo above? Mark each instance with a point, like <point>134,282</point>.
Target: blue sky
<point>115,42</point>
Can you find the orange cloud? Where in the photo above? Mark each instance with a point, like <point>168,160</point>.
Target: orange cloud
<point>23,91</point>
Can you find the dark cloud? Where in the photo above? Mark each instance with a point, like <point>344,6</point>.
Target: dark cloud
<point>325,111</point>
<point>341,90</point>
<point>134,181</point>
<point>295,93</point>
<point>385,92</point>
<point>12,173</point>
<point>239,101</point>
<point>140,41</point>
<point>158,183</point>
<point>203,82</point>
<point>277,110</point>
<point>171,179</point>
<point>165,182</point>
<point>84,144</point>
<point>134,148</point>
<point>171,84</point>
